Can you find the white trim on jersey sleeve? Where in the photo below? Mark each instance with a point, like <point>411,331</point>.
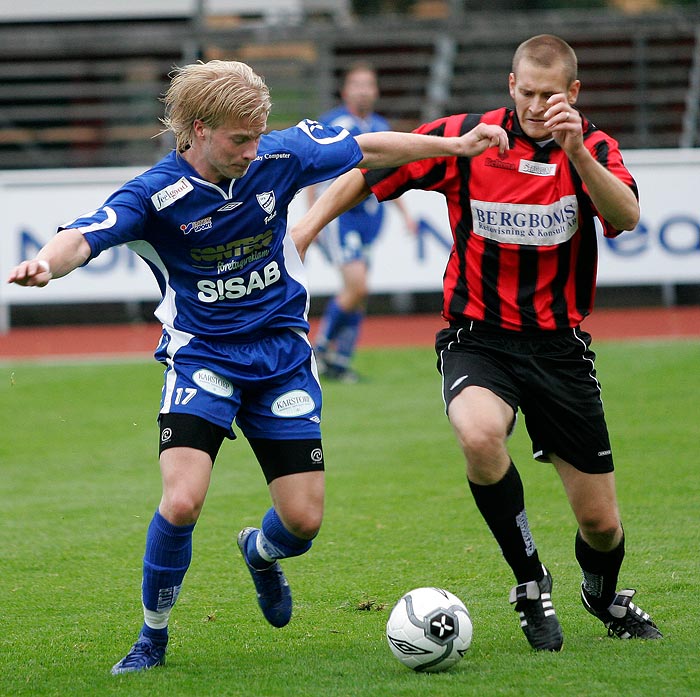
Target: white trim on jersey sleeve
<point>308,126</point>
<point>109,221</point>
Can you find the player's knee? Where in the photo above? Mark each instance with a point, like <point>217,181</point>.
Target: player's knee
<point>600,531</point>
<point>181,508</point>
<point>306,529</point>
<point>303,523</point>
<point>481,443</point>
<point>311,525</point>
<point>360,292</point>
<point>290,536</point>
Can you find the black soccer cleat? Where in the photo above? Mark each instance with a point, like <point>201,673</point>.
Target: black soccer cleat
<point>539,622</point>
<point>623,618</point>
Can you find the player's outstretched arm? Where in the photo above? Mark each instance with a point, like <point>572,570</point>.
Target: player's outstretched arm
<point>59,256</point>
<point>393,149</point>
<point>343,194</point>
<point>389,149</point>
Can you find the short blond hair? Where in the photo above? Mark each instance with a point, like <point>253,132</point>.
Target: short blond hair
<point>216,92</point>
<point>545,50</point>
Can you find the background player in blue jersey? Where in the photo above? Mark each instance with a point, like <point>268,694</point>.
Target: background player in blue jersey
<point>210,221</point>
<point>348,240</point>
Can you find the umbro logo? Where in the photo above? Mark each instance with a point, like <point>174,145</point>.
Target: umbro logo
<point>230,206</point>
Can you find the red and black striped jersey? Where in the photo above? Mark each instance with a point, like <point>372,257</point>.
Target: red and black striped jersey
<point>524,254</point>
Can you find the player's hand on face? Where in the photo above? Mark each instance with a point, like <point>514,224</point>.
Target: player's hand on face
<point>563,121</point>
<point>482,137</point>
<point>34,272</point>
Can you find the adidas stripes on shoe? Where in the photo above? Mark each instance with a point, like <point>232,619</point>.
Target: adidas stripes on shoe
<point>538,620</point>
<point>623,618</point>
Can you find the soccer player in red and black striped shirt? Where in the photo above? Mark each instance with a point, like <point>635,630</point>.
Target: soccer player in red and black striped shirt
<point>519,280</point>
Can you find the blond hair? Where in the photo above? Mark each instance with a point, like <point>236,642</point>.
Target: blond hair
<point>216,92</point>
<point>545,50</point>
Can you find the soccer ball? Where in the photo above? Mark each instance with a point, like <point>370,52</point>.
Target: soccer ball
<point>429,629</point>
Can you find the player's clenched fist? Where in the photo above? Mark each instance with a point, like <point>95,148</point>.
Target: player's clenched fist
<point>482,137</point>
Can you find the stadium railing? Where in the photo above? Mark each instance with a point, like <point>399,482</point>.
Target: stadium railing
<point>83,94</point>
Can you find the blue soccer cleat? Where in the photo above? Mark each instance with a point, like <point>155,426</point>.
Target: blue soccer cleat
<point>144,654</point>
<point>274,595</point>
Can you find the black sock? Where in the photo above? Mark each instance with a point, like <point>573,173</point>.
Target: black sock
<point>503,507</point>
<point>600,571</point>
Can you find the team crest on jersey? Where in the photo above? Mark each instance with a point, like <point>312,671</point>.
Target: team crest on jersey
<point>232,205</point>
<point>267,203</point>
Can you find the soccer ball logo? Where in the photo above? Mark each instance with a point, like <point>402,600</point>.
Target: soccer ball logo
<point>429,629</point>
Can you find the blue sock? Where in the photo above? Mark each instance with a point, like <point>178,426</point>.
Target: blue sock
<point>329,325</point>
<point>346,338</point>
<point>157,636</point>
<point>165,562</point>
<point>276,542</point>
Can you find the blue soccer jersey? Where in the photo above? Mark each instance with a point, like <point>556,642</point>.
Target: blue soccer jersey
<point>341,117</point>
<point>359,226</point>
<point>220,252</point>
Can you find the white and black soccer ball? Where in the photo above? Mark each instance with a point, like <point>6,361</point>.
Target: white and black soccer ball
<point>429,629</point>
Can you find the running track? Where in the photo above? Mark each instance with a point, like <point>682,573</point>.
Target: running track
<point>378,331</point>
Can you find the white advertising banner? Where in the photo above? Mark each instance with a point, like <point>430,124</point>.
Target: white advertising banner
<point>34,204</point>
<point>663,249</point>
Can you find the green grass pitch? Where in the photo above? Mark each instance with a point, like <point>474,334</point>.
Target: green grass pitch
<point>79,482</point>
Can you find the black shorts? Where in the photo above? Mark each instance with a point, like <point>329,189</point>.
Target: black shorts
<point>277,458</point>
<point>550,377</point>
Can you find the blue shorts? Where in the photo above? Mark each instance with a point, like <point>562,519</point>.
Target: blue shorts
<point>349,237</point>
<point>268,386</point>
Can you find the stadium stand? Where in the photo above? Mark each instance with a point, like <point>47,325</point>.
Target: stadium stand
<point>79,93</point>
<point>635,72</point>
